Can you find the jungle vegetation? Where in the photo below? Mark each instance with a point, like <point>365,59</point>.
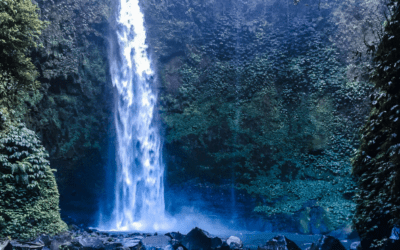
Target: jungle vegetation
<point>267,94</point>
<point>29,198</point>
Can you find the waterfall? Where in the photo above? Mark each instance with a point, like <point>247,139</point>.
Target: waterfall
<point>139,188</point>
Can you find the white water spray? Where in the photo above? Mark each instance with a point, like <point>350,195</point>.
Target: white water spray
<point>139,189</point>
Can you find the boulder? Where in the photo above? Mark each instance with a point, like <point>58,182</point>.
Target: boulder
<point>393,243</point>
<point>176,244</point>
<point>345,232</point>
<point>327,243</point>
<point>197,239</point>
<point>112,245</point>
<point>279,242</point>
<point>62,239</point>
<point>224,246</point>
<point>157,242</point>
<point>5,245</point>
<point>175,235</point>
<point>395,235</point>
<point>130,243</point>
<point>355,245</point>
<point>216,242</point>
<point>45,239</point>
<point>17,245</point>
<point>234,242</point>
<point>90,243</point>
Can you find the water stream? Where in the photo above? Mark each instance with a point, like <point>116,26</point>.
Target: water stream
<point>139,189</point>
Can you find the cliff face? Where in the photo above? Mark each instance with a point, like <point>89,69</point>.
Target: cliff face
<point>256,94</point>
<point>73,115</point>
<point>377,160</point>
<point>251,94</point>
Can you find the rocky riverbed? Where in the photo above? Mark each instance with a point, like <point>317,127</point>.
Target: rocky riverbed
<point>196,239</point>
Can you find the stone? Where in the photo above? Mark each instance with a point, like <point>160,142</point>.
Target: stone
<point>5,245</point>
<point>395,233</point>
<point>345,232</point>
<point>176,244</point>
<point>91,243</point>
<point>17,245</point>
<point>175,235</point>
<point>234,242</point>
<point>279,242</point>
<point>224,246</point>
<point>197,239</point>
<point>355,245</point>
<point>156,242</point>
<point>130,243</point>
<point>216,242</point>
<point>45,239</point>
<point>62,239</point>
<point>327,243</point>
<point>393,242</point>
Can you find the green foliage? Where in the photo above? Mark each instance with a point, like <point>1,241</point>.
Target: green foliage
<point>19,32</point>
<point>377,160</point>
<point>72,117</point>
<point>285,146</point>
<point>267,104</point>
<point>28,191</point>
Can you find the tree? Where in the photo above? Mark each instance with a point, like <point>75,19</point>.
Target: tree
<point>20,28</point>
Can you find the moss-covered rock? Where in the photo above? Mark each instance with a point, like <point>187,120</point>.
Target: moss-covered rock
<point>29,199</point>
<point>378,158</point>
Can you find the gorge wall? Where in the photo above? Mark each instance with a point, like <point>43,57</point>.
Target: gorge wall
<point>251,94</point>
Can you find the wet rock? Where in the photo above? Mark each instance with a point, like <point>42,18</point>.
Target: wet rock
<point>234,242</point>
<point>327,243</point>
<point>355,245</point>
<point>224,246</point>
<point>279,242</point>
<point>92,230</point>
<point>130,243</point>
<point>45,239</point>
<point>5,245</point>
<point>62,239</point>
<point>133,235</point>
<point>176,244</point>
<point>216,242</point>
<point>345,232</point>
<point>158,242</point>
<point>90,243</point>
<point>17,245</point>
<point>395,235</point>
<point>175,235</point>
<point>113,245</point>
<point>393,243</point>
<point>197,239</point>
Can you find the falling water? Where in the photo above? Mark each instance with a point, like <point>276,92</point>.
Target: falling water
<point>139,189</point>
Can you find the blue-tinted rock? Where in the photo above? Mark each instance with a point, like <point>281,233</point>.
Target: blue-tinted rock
<point>197,239</point>
<point>175,235</point>
<point>355,245</point>
<point>216,242</point>
<point>158,242</point>
<point>279,242</point>
<point>395,233</point>
<point>62,239</point>
<point>90,243</point>
<point>5,245</point>
<point>17,245</point>
<point>327,243</point>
